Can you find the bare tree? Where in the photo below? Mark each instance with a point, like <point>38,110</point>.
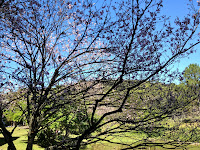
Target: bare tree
<point>78,44</point>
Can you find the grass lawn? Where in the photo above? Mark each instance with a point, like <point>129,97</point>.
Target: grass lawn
<point>131,137</point>
<point>20,139</point>
<point>125,138</point>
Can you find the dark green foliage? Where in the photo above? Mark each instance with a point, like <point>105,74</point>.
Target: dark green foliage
<point>71,121</point>
<point>46,138</point>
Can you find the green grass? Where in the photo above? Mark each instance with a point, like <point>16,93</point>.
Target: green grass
<point>131,137</point>
<point>20,139</point>
<point>125,138</point>
<point>110,146</point>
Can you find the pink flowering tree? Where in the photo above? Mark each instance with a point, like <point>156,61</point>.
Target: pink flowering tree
<point>78,44</point>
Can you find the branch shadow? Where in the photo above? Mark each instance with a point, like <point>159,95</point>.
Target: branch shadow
<point>2,140</point>
<point>26,141</point>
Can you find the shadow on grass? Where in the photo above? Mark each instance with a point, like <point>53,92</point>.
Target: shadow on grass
<point>26,141</point>
<point>2,141</point>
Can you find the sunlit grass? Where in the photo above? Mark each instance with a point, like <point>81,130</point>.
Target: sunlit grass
<point>125,138</point>
<point>137,137</point>
<point>20,135</point>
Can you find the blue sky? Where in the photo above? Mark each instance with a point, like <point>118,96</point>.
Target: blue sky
<point>179,8</point>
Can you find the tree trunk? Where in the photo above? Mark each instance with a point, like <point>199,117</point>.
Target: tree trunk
<point>33,129</point>
<point>7,135</point>
<point>31,138</point>
<point>81,138</point>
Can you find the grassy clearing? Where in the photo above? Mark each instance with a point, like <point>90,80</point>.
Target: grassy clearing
<point>110,146</point>
<point>20,139</point>
<point>132,137</point>
<point>124,138</point>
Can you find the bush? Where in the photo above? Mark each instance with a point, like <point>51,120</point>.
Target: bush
<point>46,138</point>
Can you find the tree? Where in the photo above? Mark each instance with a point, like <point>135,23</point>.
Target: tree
<point>50,43</point>
<point>191,75</point>
<point>191,79</point>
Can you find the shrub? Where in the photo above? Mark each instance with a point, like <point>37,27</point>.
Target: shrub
<point>46,138</point>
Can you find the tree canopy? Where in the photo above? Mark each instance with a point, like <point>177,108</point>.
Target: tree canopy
<point>191,75</point>
<point>62,52</point>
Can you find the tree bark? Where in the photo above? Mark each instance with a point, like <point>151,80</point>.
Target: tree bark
<point>33,129</point>
<point>7,135</point>
<point>31,138</point>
